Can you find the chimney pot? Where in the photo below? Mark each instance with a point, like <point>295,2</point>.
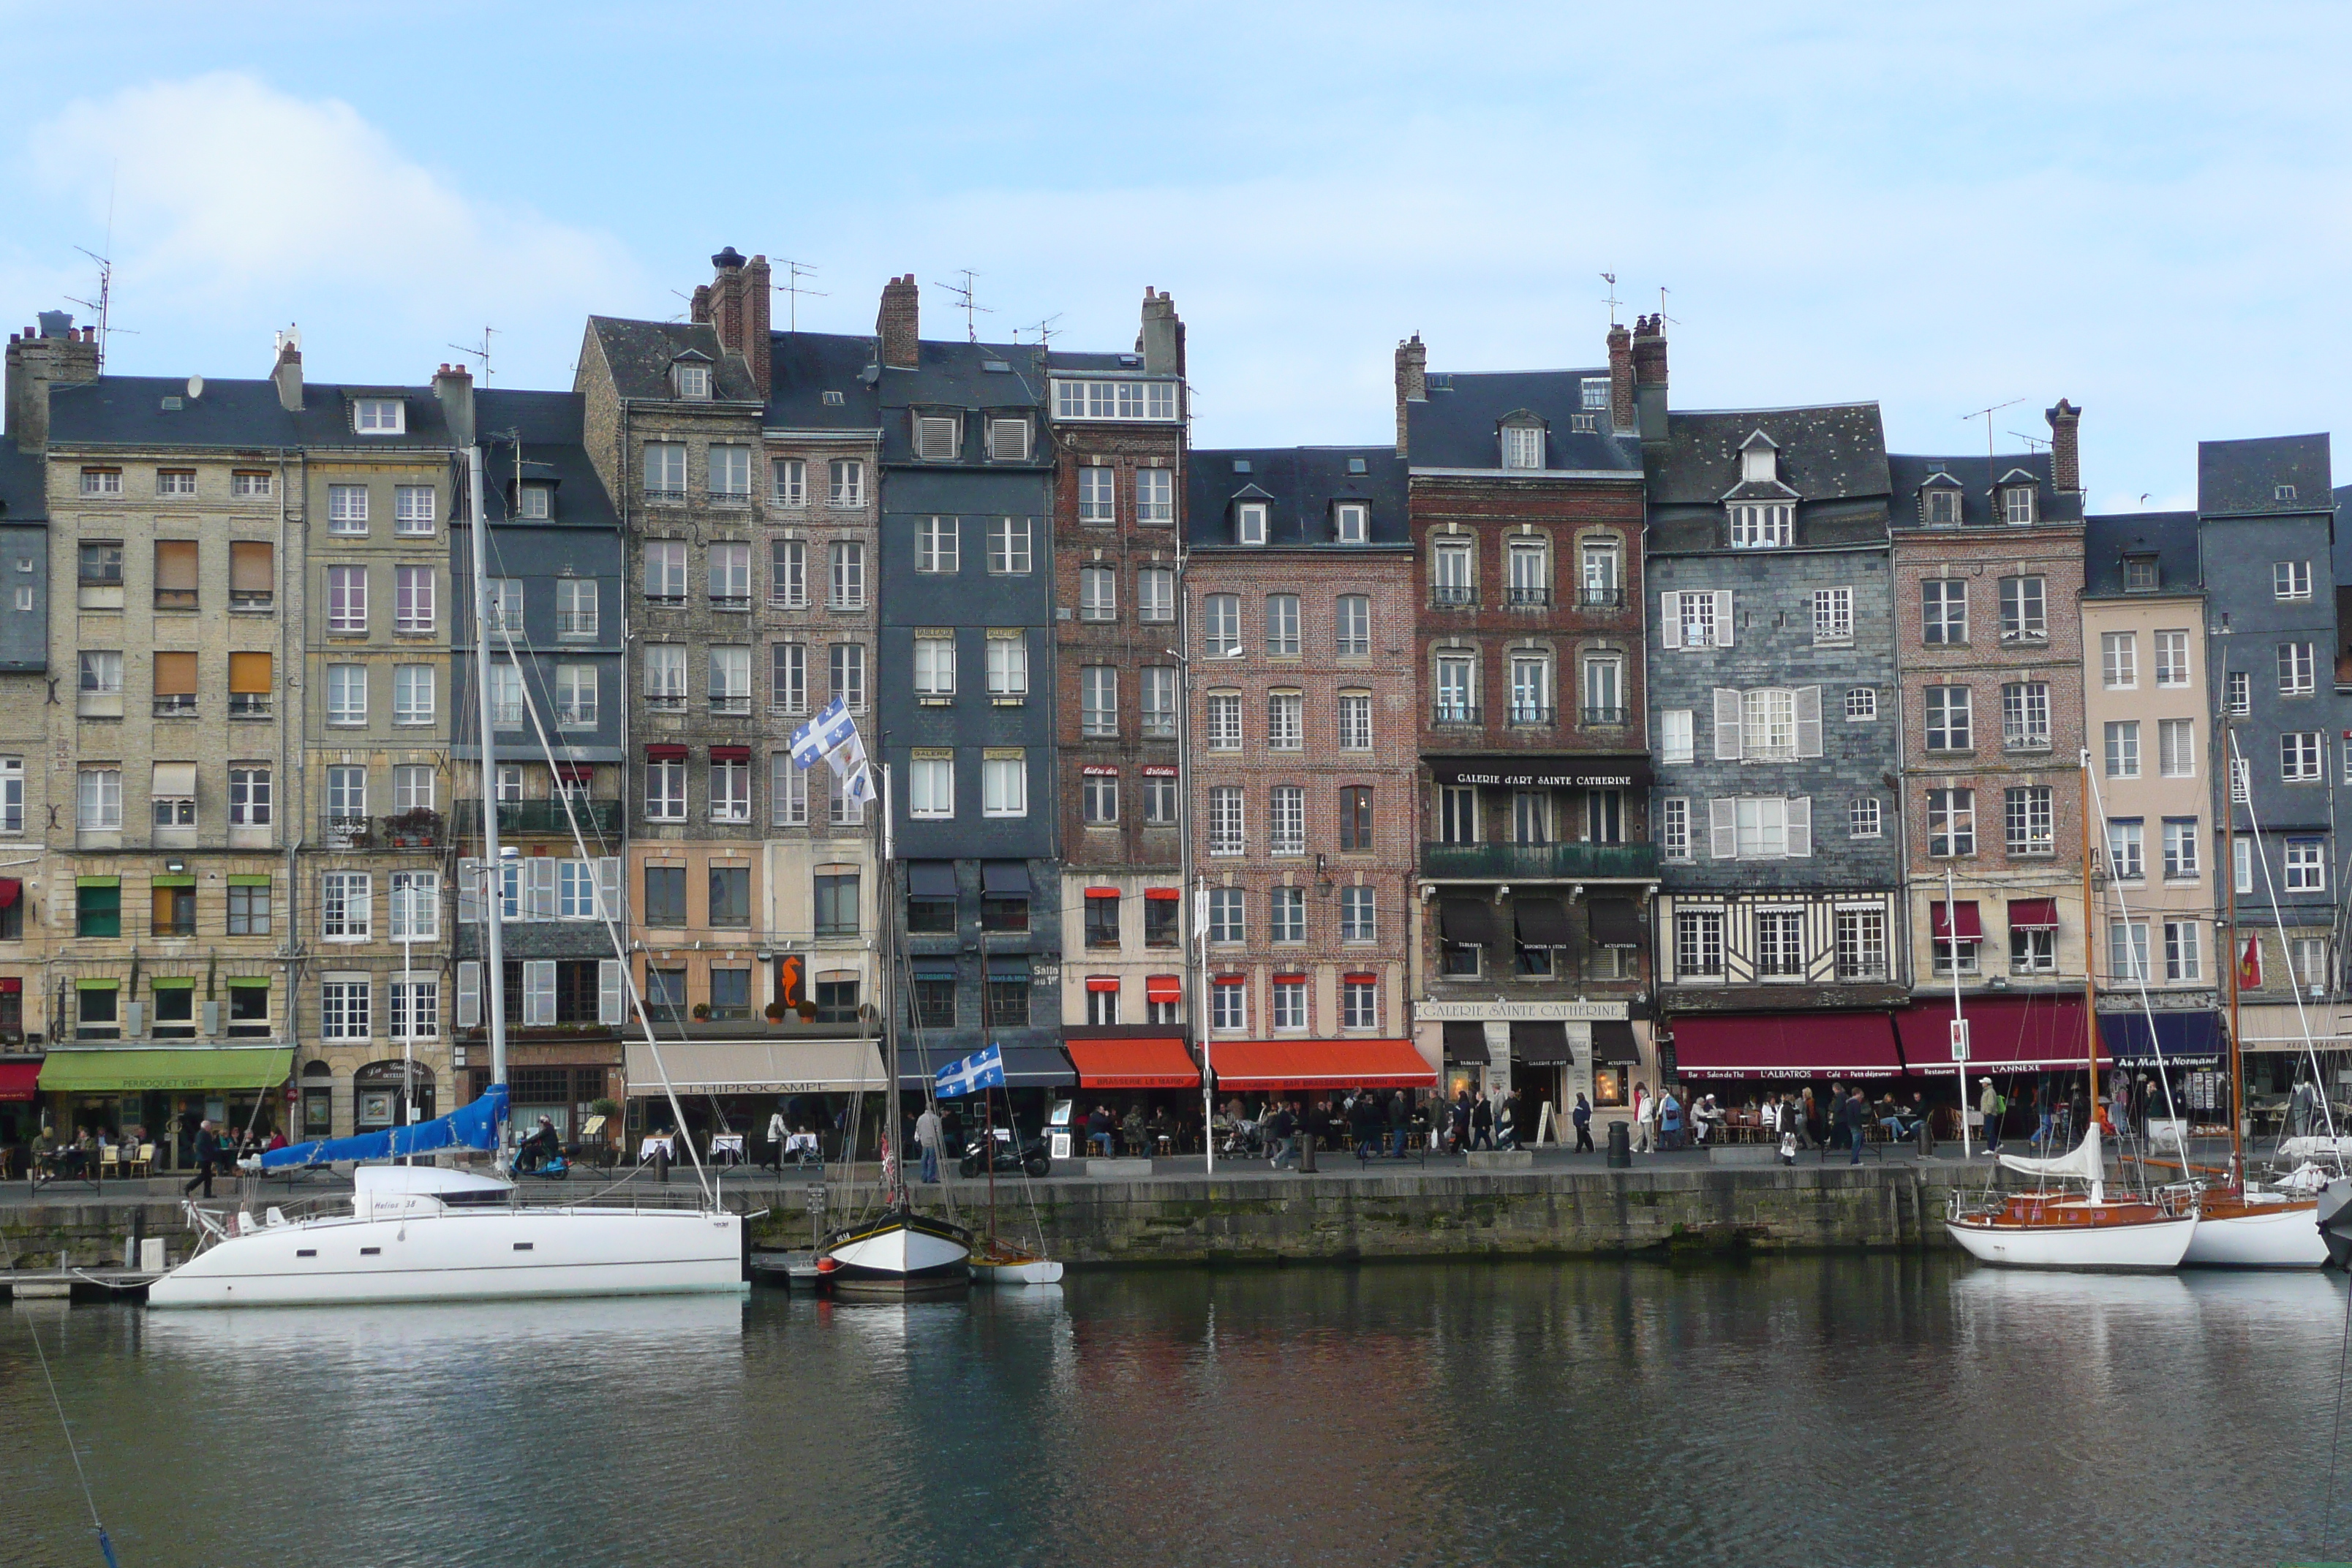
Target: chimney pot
<point>1411,382</point>
<point>2065,450</point>
<point>899,326</point>
<point>1621,378</point>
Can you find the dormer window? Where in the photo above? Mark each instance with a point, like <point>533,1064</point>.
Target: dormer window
<point>691,380</point>
<point>1764,525</point>
<point>537,502</point>
<point>1008,440</point>
<point>938,438</point>
<point>1759,460</point>
<point>1523,446</point>
<point>2281,493</point>
<point>1249,522</point>
<point>2017,504</point>
<point>1596,392</point>
<point>1939,506</point>
<point>2140,575</point>
<point>380,417</point>
<point>1351,522</point>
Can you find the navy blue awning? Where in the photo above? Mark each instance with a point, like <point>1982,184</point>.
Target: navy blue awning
<point>2180,1040</point>
<point>1025,1067</point>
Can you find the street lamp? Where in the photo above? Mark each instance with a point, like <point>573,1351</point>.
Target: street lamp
<point>1196,939</point>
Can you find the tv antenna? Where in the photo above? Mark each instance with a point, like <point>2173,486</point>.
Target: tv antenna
<point>1986,415</point>
<point>962,292</point>
<point>103,303</point>
<point>2032,443</point>
<point>480,352</point>
<point>791,288</point>
<point>1611,279</point>
<point>1663,317</point>
<point>1045,330</point>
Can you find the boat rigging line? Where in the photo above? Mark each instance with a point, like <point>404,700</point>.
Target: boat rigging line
<point>73,1450</point>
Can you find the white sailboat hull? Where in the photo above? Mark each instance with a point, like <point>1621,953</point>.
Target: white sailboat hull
<point>459,1255</point>
<point>898,1253</point>
<point>2155,1245</point>
<point>1033,1271</point>
<point>2281,1236</point>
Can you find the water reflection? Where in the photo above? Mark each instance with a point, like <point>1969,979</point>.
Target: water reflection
<point>1838,1410</point>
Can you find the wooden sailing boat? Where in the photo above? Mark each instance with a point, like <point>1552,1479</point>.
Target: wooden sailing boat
<point>996,1261</point>
<point>2063,1227</point>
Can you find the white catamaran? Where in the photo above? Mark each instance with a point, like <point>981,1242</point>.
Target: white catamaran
<point>426,1233</point>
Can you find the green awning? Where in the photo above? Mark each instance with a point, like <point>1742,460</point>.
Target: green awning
<point>104,1071</point>
<point>97,882</point>
<point>171,881</point>
<point>239,879</point>
<point>98,985</point>
<point>241,982</point>
<point>173,982</point>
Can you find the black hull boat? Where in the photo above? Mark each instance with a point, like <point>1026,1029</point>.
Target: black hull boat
<point>898,1253</point>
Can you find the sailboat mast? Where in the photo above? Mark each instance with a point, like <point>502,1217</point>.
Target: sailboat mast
<point>1952,956</point>
<point>2230,883</point>
<point>494,894</point>
<point>2090,991</point>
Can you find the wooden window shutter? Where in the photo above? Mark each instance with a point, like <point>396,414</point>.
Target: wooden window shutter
<point>1670,620</point>
<point>1723,618</point>
<point>1809,721</point>
<point>175,675</point>
<point>1801,827</point>
<point>249,567</point>
<point>469,993</point>
<point>175,565</point>
<point>1727,724</point>
<point>608,991</point>
<point>249,673</point>
<point>1723,829</point>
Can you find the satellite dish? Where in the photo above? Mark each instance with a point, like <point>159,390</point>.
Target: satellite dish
<point>195,387</point>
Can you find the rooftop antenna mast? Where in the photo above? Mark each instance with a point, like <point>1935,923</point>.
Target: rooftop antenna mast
<point>1611,279</point>
<point>481,352</point>
<point>1045,330</point>
<point>1986,415</point>
<point>104,302</point>
<point>1663,317</point>
<point>791,288</point>
<point>962,291</point>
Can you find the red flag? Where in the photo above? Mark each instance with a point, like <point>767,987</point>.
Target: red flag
<point>2250,965</point>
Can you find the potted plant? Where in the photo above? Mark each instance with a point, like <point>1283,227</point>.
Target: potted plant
<point>775,1012</point>
<point>702,1012</point>
<point>808,1012</point>
<point>419,826</point>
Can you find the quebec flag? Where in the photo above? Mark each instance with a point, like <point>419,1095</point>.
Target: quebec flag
<point>832,729</point>
<point>982,1070</point>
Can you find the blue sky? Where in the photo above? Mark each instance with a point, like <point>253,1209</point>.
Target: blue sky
<point>2140,206</point>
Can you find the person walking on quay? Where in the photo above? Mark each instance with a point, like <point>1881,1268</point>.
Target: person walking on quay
<point>927,1139</point>
<point>207,1156</point>
<point>1989,1117</point>
<point>1365,1124</point>
<point>1670,1120</point>
<point>1855,1117</point>
<point>1582,1117</point>
<point>2045,1114</point>
<point>777,1133</point>
<point>1283,1128</point>
<point>1400,1122</point>
<point>2142,1095</point>
<point>1482,1123</point>
<point>1645,1116</point>
<point>1506,1120</point>
<point>1462,1119</point>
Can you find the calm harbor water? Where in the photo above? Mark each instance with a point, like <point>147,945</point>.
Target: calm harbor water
<point>1816,1410</point>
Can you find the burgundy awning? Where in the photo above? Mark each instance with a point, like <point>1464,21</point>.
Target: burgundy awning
<point>730,753</point>
<point>2033,914</point>
<point>1972,927</point>
<point>2006,1034</point>
<point>1786,1044</point>
<point>664,751</point>
<point>11,890</point>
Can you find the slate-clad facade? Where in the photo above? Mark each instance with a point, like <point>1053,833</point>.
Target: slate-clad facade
<point>2266,543</point>
<point>1535,856</point>
<point>1773,687</point>
<point>967,559</point>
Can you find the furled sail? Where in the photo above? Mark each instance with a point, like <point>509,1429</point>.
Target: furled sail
<point>474,1126</point>
<point>2086,1162</point>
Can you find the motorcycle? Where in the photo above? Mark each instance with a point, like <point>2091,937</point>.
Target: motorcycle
<point>533,1160</point>
<point>1027,1158</point>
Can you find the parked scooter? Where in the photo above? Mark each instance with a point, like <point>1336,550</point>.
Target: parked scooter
<point>1028,1158</point>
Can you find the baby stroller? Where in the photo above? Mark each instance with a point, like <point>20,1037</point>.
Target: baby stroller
<point>1244,1139</point>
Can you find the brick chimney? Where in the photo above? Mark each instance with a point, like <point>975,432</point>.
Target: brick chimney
<point>727,300</point>
<point>698,310</point>
<point>452,385</point>
<point>1411,382</point>
<point>288,372</point>
<point>1161,341</point>
<point>899,325</point>
<point>39,359</point>
<point>1621,379</point>
<point>759,294</point>
<point>1650,380</point>
<point>2065,453</point>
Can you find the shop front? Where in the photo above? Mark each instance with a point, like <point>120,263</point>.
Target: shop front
<point>731,1088</point>
<point>160,1093</point>
<point>2022,1044</point>
<point>1551,1050</point>
<point>2184,1053</point>
<point>1143,1076</point>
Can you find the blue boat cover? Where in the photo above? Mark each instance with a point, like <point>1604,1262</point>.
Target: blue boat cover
<point>474,1126</point>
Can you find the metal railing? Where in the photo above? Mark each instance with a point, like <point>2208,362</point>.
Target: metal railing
<point>1606,715</point>
<point>596,817</point>
<point>1456,713</point>
<point>575,623</point>
<point>1517,862</point>
<point>1453,595</point>
<point>1530,713</point>
<point>1523,598</point>
<point>1602,599</point>
<point>182,705</point>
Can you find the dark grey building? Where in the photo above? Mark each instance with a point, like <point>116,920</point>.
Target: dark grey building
<point>967,564</point>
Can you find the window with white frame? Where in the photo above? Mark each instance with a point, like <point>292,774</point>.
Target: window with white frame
<point>2029,820</point>
<point>2291,579</point>
<point>1229,1004</point>
<point>1948,717</point>
<point>2241,694</point>
<point>1155,495</point>
<point>2177,748</point>
<point>1951,822</point>
<point>2181,849</point>
<point>845,576</point>
<point>576,696</point>
<point>1527,564</point>
<point>844,483</point>
<point>666,788</point>
<point>787,574</point>
<point>2241,778</point>
<point>1224,720</point>
<point>1677,735</point>
<point>347,599</point>
<point>731,472</point>
<point>416,1009</point>
<point>1227,923</point>
<point>1762,525</point>
<point>344,1009</point>
<point>664,675</point>
<point>1699,943</point>
<point>2295,666</point>
<point>1005,782</point>
<point>2172,658</point>
<point>1697,619</point>
<point>2119,660</point>
<point>1861,942</point>
<point>690,380</point>
<point>1861,703</point>
<point>412,694</point>
<point>1359,1003</point>
<point>2307,960</point>
<point>346,792</point>
<point>730,678</point>
<point>931,785</point>
<point>1285,815</point>
<point>2184,959</point>
<point>1355,720</point>
<point>937,544</point>
<point>2025,715</point>
<point>175,482</point>
<point>1282,639</point>
<point>1155,594</point>
<point>1008,438</point>
<point>1098,700</point>
<point>412,608</point>
<point>1009,548</point>
<point>1780,944</point>
<point>1531,688</point>
<point>1833,615</point>
<point>1220,625</point>
<point>2126,849</point>
<point>249,798</point>
<point>787,482</point>
<point>2123,749</point>
<point>1673,827</point>
<point>345,906</point>
<point>2241,867</point>
<point>1863,820</point>
<point>506,694</point>
<point>934,664</point>
<point>1351,522</point>
<point>1456,690</point>
<point>1226,821</point>
<point>411,787</point>
<point>347,509</point>
<point>1286,723</point>
<point>1098,493</point>
<point>2025,610</point>
<point>1451,580</point>
<point>1352,625</point>
<point>1157,683</point>
<point>1942,611</point>
<point>1359,917</point>
<point>1101,798</point>
<point>664,571</point>
<point>2300,757</point>
<point>98,802</point>
<point>730,570</point>
<point>502,604</point>
<point>413,512</point>
<point>1249,522</point>
<point>938,438</point>
<point>1008,662</point>
<point>2128,952</point>
<point>1603,574</point>
<point>787,791</point>
<point>248,484</point>
<point>665,471</point>
<point>1288,995</point>
<point>347,694</point>
<point>1098,593</point>
<point>414,909</point>
<point>2017,504</point>
<point>1523,446</point>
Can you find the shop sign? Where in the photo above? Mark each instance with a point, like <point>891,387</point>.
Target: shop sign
<point>1533,1011</point>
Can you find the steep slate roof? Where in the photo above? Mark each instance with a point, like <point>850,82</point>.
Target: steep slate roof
<point>548,426</point>
<point>2241,478</point>
<point>2343,545</point>
<point>2169,536</point>
<point>1298,484</point>
<point>1458,426</point>
<point>804,366</point>
<point>639,354</point>
<point>1831,455</point>
<point>24,484</point>
<point>129,410</point>
<point>1977,475</point>
<point>957,375</point>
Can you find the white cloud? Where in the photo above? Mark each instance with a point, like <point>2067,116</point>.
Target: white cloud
<point>237,206</point>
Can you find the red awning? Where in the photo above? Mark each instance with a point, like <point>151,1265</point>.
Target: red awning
<point>11,888</point>
<point>1320,1064</point>
<point>1170,894</point>
<point>730,753</point>
<point>1102,892</point>
<point>1162,988</point>
<point>1786,1044</point>
<point>2005,1034</point>
<point>1290,979</point>
<point>9,985</point>
<point>1971,928</point>
<point>1133,1064</point>
<point>664,751</point>
<point>576,772</point>
<point>1360,979</point>
<point>18,1082</point>
<point>1102,981</point>
<point>2033,914</point>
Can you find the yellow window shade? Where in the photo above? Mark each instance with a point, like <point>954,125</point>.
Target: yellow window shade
<point>248,672</point>
<point>175,675</point>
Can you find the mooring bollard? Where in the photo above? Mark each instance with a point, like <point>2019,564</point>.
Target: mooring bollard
<point>1621,1147</point>
<point>661,1165</point>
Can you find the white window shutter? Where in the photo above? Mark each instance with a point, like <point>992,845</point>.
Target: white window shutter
<point>1723,829</point>
<point>469,890</point>
<point>469,993</point>
<point>539,902</point>
<point>538,993</point>
<point>1727,724</point>
<point>1723,618</point>
<point>1809,721</point>
<point>608,889</point>
<point>1670,620</point>
<point>608,988</point>
<point>1801,827</point>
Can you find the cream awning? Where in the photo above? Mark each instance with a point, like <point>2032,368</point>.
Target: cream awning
<point>174,781</point>
<point>759,1067</point>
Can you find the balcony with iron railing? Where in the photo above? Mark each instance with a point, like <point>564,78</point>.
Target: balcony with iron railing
<point>597,819</point>
<point>1530,599</point>
<point>181,705</point>
<point>1593,598</point>
<point>1529,713</point>
<point>418,829</point>
<point>1453,596</point>
<point>730,702</point>
<point>1537,862</point>
<point>1455,713</point>
<point>575,623</point>
<point>1593,715</point>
